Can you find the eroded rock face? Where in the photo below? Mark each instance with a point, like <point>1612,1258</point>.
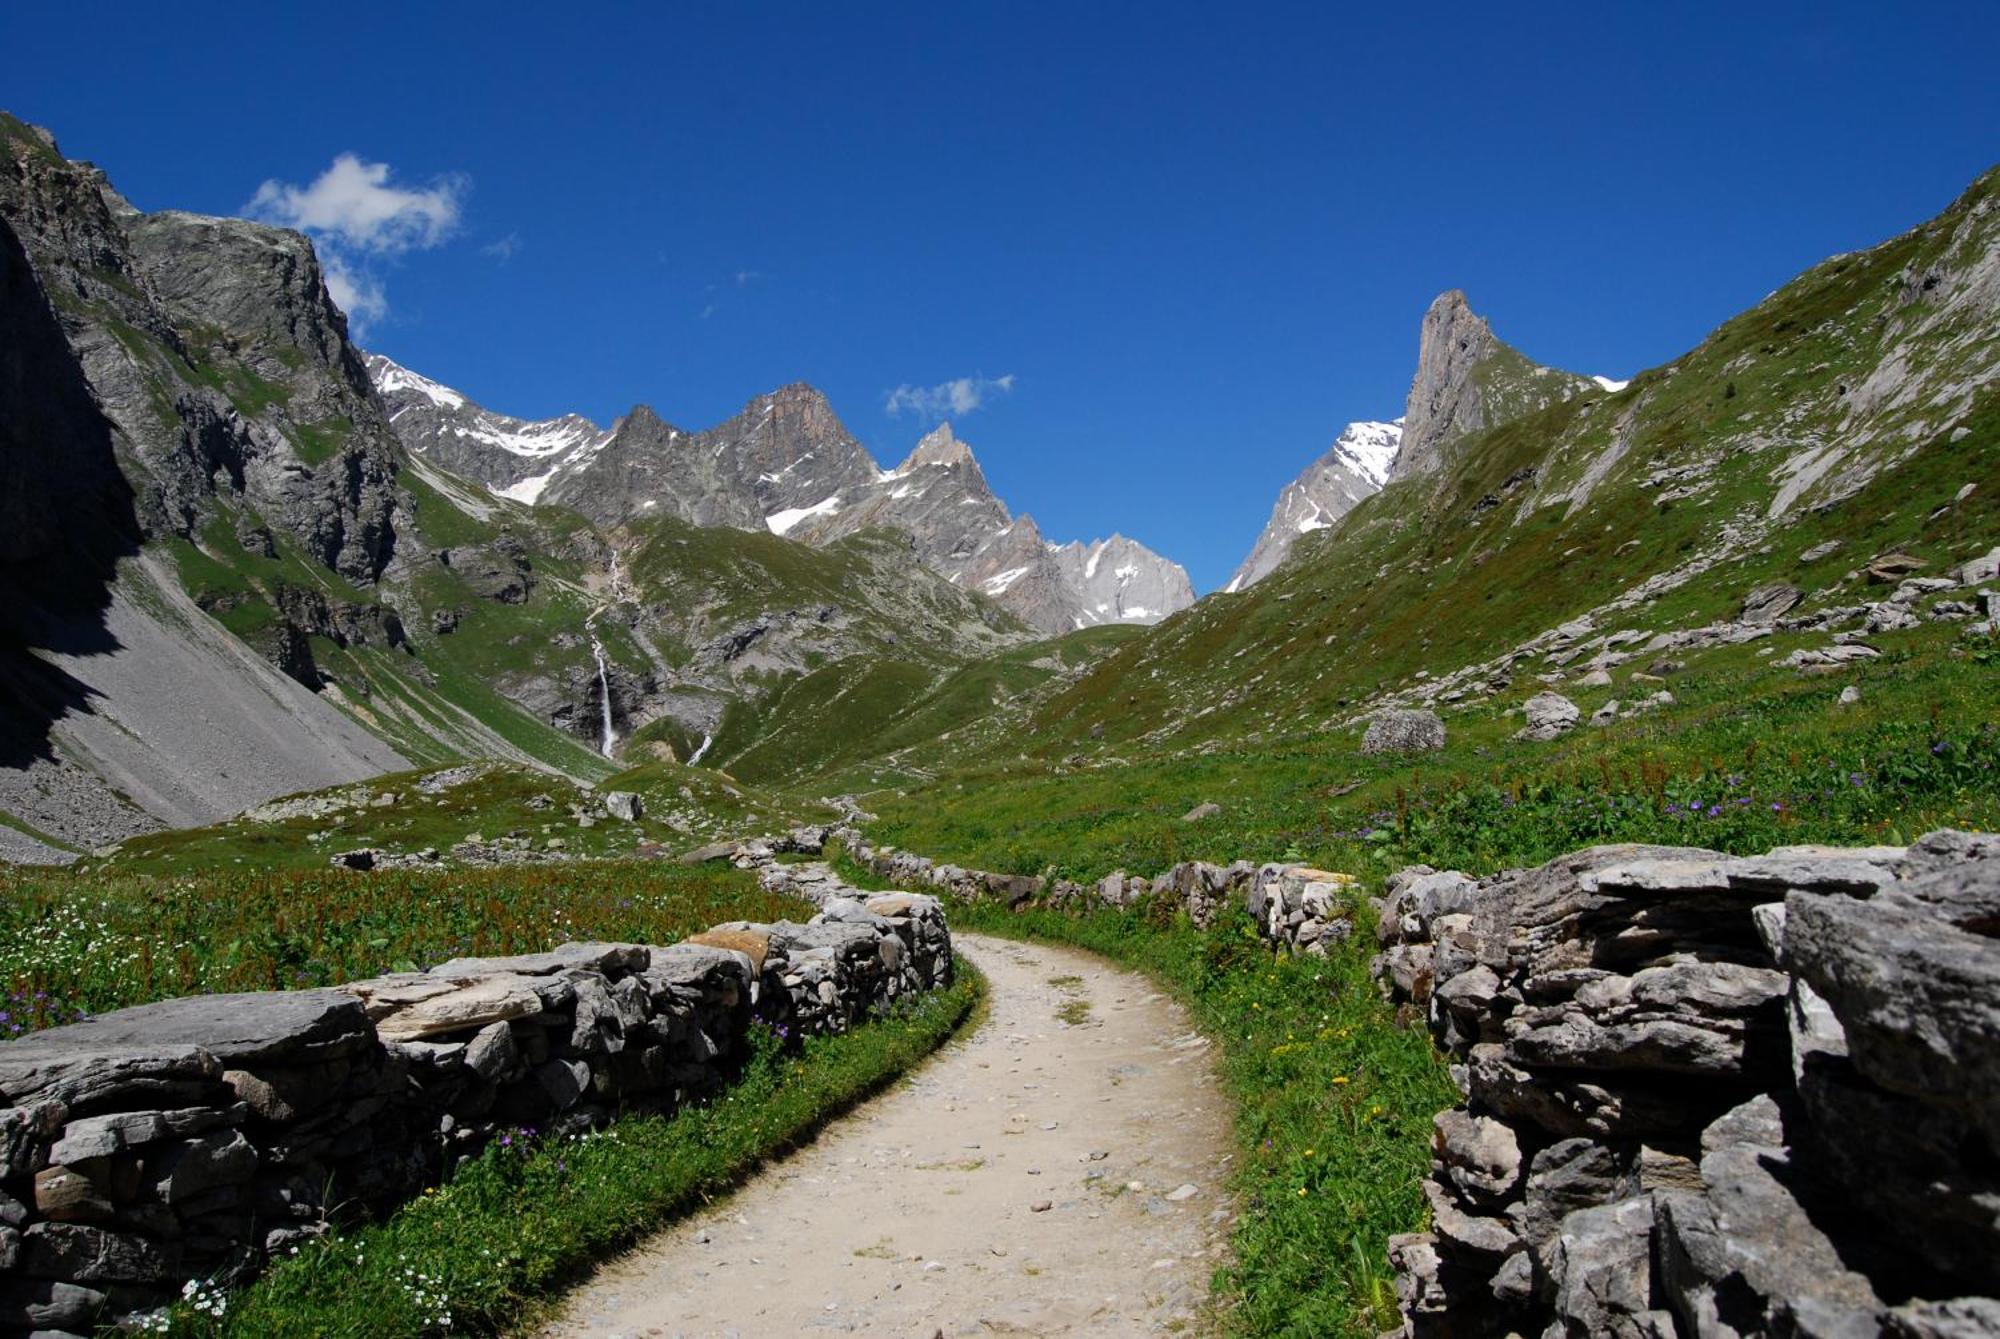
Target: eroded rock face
<point>1709,1094</point>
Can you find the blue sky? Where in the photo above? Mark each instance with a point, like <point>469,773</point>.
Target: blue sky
<point>1197,240</point>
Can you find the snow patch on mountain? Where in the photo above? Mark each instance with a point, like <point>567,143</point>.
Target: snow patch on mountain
<point>783,522</point>
<point>1354,467</point>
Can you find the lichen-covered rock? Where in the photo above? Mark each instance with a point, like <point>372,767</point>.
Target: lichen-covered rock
<point>1404,731</point>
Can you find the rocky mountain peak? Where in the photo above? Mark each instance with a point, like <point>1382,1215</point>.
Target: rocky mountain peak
<point>1468,380</point>
<point>784,463</point>
<point>939,447</point>
<point>1355,466</point>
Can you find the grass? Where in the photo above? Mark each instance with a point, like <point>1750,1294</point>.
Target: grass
<point>1920,750</point>
<point>88,942</point>
<point>492,1246</point>
<point>1333,1106</point>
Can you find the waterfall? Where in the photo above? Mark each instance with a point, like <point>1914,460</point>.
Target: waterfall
<point>695,757</point>
<point>610,734</point>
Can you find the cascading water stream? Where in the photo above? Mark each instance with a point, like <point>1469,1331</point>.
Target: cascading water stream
<point>609,739</point>
<point>608,732</point>
<point>695,757</point>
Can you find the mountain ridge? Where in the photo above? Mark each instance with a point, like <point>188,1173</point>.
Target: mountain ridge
<point>784,462</point>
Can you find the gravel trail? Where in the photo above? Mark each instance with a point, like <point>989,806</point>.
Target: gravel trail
<point>1057,1172</point>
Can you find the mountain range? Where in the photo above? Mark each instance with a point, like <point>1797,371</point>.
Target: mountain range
<point>787,464</point>
<point>243,558</point>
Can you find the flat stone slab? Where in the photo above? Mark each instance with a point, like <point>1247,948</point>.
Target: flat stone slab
<point>752,944</point>
<point>242,1031</point>
<point>608,959</point>
<point>83,1073</point>
<point>494,999</point>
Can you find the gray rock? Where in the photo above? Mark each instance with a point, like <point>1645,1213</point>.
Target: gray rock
<point>564,1081</point>
<point>80,1253</point>
<point>187,1171</point>
<point>1404,732</point>
<point>241,1031</point>
<point>1480,1155</point>
<point>612,960</point>
<point>1201,811</point>
<point>1747,1246</point>
<point>624,804</point>
<point>1600,1263</point>
<point>1549,716</point>
<point>1959,1318</point>
<point>1769,603</point>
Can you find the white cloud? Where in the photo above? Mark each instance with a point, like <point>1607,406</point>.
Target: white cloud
<point>353,201</point>
<point>947,398</point>
<point>353,213</point>
<point>361,296</point>
<point>504,249</point>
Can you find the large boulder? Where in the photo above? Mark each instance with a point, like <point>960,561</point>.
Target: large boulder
<point>1399,731</point>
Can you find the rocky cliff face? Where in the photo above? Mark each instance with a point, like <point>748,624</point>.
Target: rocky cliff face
<point>1356,466</point>
<point>787,464</point>
<point>167,378</point>
<point>212,349</point>
<point>1118,580</point>
<point>1468,380</point>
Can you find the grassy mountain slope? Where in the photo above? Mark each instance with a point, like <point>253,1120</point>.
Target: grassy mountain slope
<point>1853,405</point>
<point>1854,414</point>
<point>216,392</point>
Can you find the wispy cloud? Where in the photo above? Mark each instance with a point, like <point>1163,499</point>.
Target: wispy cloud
<point>947,399</point>
<point>504,249</point>
<point>356,214</point>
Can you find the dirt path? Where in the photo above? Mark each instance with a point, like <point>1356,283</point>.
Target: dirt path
<point>920,1214</point>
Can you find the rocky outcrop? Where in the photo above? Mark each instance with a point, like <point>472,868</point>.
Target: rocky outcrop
<point>1467,381</point>
<point>1549,715</point>
<point>1707,1094</point>
<point>1355,467</point>
<point>195,1138</point>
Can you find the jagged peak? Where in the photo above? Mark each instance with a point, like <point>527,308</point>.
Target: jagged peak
<point>1467,379</point>
<point>644,418</point>
<point>391,376</point>
<point>939,447</point>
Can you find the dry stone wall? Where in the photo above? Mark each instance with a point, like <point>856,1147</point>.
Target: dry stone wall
<point>1708,1095</point>
<point>195,1138</point>
<point>1294,906</point>
<point>1704,1095</point>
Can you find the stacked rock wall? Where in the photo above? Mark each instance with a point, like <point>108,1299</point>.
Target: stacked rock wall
<point>1293,906</point>
<point>194,1138</point>
<point>1708,1095</point>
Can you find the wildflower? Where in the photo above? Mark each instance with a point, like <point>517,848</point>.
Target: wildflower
<point>1340,1080</point>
